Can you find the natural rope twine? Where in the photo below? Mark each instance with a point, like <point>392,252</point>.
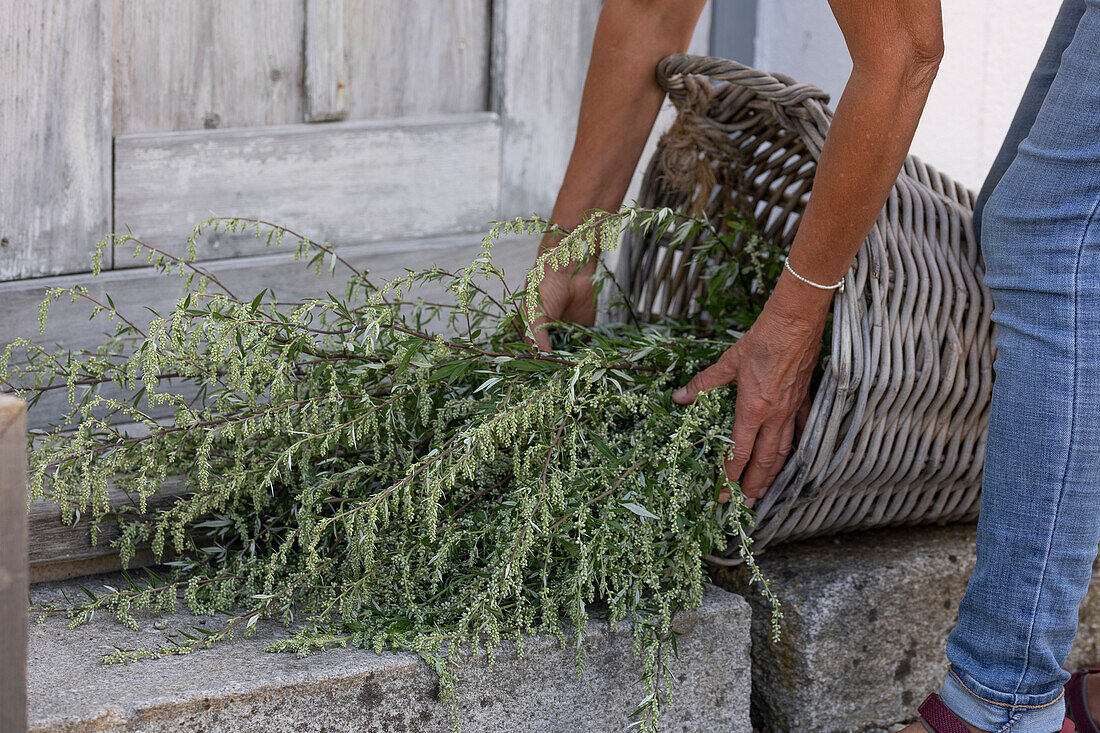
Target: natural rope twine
<point>896,435</point>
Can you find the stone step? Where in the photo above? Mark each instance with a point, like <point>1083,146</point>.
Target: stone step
<point>237,687</point>
<point>866,617</point>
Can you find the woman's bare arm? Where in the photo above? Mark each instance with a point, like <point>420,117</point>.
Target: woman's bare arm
<point>896,46</point>
<point>619,106</point>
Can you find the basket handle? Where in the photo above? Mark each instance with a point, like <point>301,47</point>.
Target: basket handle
<point>804,106</point>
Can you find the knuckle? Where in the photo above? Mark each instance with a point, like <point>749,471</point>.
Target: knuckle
<point>754,406</point>
<point>768,462</point>
<point>749,414</point>
<point>707,379</point>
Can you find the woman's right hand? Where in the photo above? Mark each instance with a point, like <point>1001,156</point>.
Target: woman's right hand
<point>564,295</point>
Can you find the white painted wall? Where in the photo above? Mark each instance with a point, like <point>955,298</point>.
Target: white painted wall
<point>991,48</point>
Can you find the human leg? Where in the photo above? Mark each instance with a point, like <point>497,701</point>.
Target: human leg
<point>1040,513</point>
<point>1061,33</point>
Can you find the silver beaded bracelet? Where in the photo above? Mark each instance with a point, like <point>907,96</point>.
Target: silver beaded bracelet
<point>839,287</point>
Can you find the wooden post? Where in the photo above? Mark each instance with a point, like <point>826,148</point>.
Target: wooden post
<point>13,565</point>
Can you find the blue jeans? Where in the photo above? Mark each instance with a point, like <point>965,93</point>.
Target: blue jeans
<point>1040,509</point>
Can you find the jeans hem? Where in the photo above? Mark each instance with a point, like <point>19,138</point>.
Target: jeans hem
<point>979,706</point>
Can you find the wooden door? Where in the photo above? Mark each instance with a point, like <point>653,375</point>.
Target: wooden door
<point>219,123</point>
<point>395,129</point>
<point>352,120</point>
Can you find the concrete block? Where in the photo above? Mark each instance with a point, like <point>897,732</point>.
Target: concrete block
<point>866,618</point>
<point>238,687</point>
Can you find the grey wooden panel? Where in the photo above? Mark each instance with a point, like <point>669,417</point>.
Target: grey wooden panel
<point>13,565</point>
<point>203,64</point>
<point>344,182</point>
<point>411,57</point>
<point>135,289</point>
<point>326,60</point>
<point>542,49</point>
<point>55,135</point>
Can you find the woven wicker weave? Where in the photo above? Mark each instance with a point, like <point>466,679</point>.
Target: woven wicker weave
<point>897,430</point>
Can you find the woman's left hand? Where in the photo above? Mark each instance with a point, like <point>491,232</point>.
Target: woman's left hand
<point>771,366</point>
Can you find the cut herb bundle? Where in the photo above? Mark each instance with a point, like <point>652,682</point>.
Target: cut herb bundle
<point>383,472</point>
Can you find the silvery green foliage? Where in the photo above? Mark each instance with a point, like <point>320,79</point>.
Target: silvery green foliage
<point>379,471</point>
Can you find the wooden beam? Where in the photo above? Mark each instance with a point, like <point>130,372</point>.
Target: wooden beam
<point>733,30</point>
<point>13,565</point>
<point>326,60</point>
<point>541,50</point>
<point>59,551</point>
<point>700,46</point>
<point>343,182</point>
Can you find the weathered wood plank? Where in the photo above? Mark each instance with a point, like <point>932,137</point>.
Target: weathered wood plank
<point>134,289</point>
<point>344,182</point>
<point>55,135</point>
<point>59,550</point>
<point>13,565</point>
<point>412,57</point>
<point>543,47</point>
<point>206,64</point>
<point>326,60</point>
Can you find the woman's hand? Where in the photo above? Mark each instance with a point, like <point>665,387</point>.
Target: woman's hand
<point>566,294</point>
<point>620,103</point>
<point>896,46</point>
<point>771,365</point>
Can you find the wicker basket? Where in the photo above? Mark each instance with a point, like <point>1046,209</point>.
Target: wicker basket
<point>896,435</point>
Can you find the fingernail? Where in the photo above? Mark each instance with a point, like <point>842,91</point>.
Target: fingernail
<point>680,395</point>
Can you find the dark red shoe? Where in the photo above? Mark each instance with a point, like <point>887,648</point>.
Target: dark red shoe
<point>1078,702</point>
<point>938,718</point>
